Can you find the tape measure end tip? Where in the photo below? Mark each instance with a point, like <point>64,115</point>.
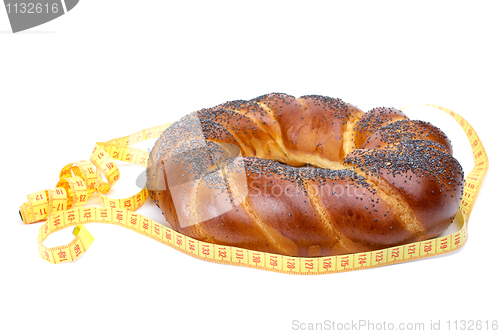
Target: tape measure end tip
<point>76,230</point>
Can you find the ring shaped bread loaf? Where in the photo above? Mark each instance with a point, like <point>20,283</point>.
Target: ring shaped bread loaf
<point>312,176</point>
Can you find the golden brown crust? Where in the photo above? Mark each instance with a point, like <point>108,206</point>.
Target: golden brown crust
<point>379,179</point>
<point>373,121</point>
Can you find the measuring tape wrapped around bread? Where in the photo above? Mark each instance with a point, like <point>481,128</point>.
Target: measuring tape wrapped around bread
<point>309,176</point>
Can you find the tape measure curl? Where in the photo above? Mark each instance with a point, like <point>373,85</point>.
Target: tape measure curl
<point>77,183</point>
<point>63,206</point>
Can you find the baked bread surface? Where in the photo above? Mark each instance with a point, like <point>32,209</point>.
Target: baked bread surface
<point>309,176</point>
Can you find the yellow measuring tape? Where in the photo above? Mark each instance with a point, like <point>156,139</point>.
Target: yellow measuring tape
<point>63,206</point>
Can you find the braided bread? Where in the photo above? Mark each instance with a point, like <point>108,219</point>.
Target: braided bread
<point>309,177</point>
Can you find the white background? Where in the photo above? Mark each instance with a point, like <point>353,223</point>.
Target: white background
<point>110,68</point>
